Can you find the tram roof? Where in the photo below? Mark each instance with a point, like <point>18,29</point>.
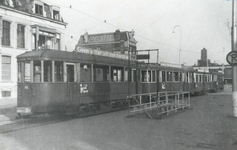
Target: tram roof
<point>74,57</point>
<point>166,68</point>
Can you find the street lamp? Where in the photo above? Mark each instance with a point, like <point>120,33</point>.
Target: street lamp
<point>180,39</point>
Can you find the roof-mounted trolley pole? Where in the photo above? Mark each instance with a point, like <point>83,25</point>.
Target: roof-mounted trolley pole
<point>234,49</point>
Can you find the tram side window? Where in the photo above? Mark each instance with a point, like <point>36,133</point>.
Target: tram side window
<point>187,77</point>
<point>37,71</point>
<point>47,71</point>
<point>149,76</point>
<point>58,71</point>
<point>180,76</point>
<point>153,76</point>
<point>134,77</point>
<point>27,72</point>
<point>144,76</point>
<point>126,74</point>
<point>85,73</point>
<point>215,78</point>
<point>197,79</point>
<point>117,74</point>
<point>169,76</point>
<point>176,76</point>
<point>101,73</point>
<point>201,78</point>
<point>190,77</point>
<point>163,76</point>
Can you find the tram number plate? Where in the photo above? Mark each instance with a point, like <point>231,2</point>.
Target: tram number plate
<point>23,110</point>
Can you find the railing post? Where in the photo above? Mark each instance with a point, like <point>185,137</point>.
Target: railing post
<point>189,100</point>
<point>129,103</point>
<point>176,102</point>
<point>183,100</point>
<point>150,101</point>
<point>166,97</point>
<point>140,100</point>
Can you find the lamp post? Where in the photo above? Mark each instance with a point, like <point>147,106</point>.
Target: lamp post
<point>180,39</point>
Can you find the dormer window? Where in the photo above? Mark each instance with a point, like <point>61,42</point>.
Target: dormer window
<point>56,15</point>
<point>38,9</point>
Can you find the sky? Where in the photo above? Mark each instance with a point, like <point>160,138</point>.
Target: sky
<point>200,24</point>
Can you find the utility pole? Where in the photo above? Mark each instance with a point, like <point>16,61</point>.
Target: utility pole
<point>233,47</point>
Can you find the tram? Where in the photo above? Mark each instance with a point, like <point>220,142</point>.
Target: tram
<point>84,81</point>
<point>88,82</point>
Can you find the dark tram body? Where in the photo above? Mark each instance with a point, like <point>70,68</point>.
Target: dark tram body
<point>88,82</point>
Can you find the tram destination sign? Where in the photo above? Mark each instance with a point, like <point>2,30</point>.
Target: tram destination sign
<point>104,53</point>
<point>231,58</point>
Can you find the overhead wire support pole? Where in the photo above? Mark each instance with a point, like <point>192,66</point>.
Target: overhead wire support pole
<point>233,47</point>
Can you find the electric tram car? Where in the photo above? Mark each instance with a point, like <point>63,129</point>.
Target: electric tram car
<point>87,82</point>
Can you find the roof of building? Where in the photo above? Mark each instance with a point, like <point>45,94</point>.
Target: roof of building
<point>26,7</point>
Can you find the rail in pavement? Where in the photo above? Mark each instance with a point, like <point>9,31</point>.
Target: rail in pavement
<point>161,103</point>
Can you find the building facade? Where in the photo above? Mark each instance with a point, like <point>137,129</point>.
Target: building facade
<point>117,42</point>
<point>26,25</point>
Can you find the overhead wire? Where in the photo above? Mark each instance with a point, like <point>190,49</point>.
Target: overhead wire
<point>162,16</point>
<point>104,21</point>
<point>132,11</point>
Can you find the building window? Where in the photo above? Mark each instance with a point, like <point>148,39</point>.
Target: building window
<point>47,40</point>
<point>6,33</point>
<point>38,9</point>
<point>6,68</point>
<point>6,93</point>
<point>56,15</point>
<point>20,36</point>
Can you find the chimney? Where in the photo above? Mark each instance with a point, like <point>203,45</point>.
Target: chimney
<point>117,35</point>
<point>86,37</point>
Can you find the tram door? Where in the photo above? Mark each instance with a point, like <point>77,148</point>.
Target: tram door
<point>70,79</point>
<point>69,73</point>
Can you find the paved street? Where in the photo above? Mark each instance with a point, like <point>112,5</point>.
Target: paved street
<point>207,125</point>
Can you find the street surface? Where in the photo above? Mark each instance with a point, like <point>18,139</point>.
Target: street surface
<point>207,125</point>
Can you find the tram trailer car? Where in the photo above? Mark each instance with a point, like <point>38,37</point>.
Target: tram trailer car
<point>153,78</point>
<point>88,82</point>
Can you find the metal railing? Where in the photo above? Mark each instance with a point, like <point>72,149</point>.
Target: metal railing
<point>161,102</point>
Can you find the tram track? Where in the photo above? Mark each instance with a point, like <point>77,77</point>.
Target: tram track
<point>41,120</point>
<point>35,121</point>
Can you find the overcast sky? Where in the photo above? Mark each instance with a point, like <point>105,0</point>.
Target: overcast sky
<point>204,24</point>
